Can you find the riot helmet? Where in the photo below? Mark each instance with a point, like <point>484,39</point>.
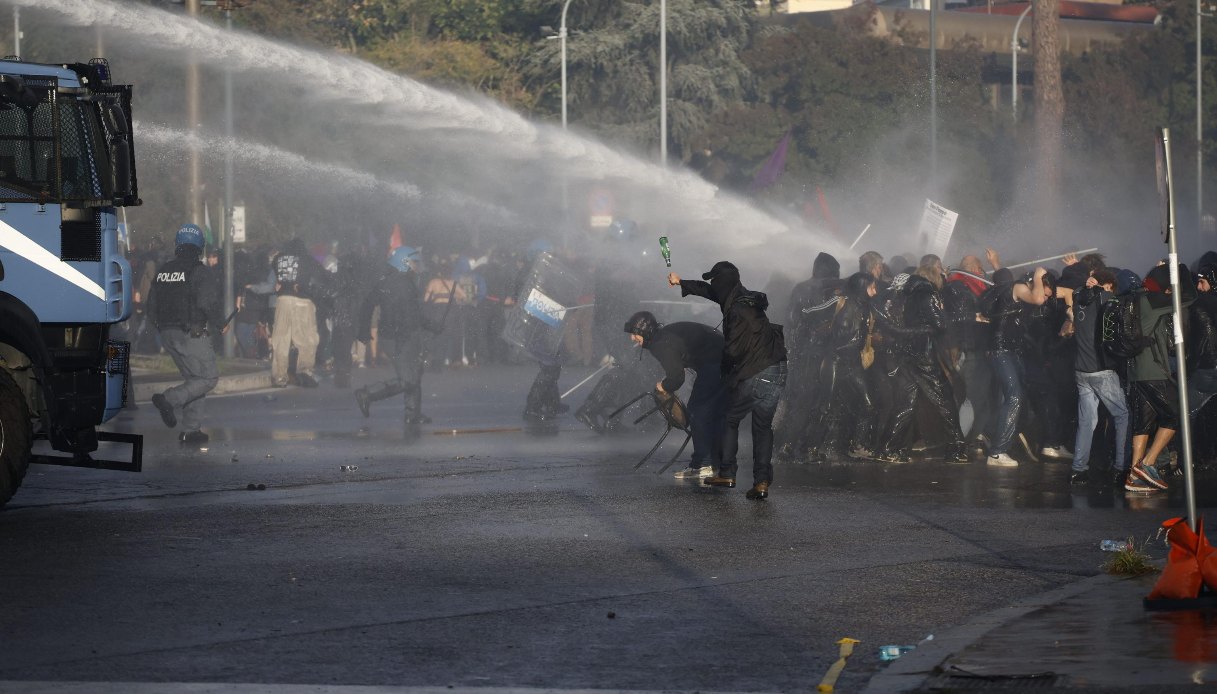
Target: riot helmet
<point>402,257</point>
<point>189,235</point>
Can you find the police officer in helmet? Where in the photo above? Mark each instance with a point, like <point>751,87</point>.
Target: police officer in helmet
<point>401,337</point>
<point>184,302</point>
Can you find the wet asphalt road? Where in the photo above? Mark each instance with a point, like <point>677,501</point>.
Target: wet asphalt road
<point>500,559</point>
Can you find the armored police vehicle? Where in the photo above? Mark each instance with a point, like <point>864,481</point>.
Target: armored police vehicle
<point>66,163</point>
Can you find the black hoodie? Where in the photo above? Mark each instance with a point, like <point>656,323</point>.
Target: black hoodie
<point>752,343</point>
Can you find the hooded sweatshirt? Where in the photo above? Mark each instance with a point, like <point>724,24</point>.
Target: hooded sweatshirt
<point>811,292</point>
<point>751,342</point>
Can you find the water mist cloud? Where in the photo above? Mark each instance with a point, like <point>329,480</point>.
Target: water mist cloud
<point>410,105</point>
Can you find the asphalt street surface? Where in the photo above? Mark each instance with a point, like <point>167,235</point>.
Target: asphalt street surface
<point>499,559</point>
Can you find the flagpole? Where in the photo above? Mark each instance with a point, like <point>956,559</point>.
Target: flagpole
<point>855,243</point>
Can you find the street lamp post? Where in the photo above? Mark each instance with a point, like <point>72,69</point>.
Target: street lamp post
<point>17,31</point>
<point>229,289</point>
<point>933,93</point>
<point>1199,129</point>
<point>663,82</point>
<point>562,42</point>
<point>1014,62</point>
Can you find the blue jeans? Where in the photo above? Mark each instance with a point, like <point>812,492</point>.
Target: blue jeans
<point>707,415</point>
<point>759,397</point>
<point>1008,374</point>
<point>1093,388</point>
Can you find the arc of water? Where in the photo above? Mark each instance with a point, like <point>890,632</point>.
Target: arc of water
<point>264,157</point>
<point>425,107</point>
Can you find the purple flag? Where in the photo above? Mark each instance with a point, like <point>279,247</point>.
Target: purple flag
<point>774,166</point>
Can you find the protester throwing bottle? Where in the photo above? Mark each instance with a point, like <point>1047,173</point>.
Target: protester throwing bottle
<point>753,368</point>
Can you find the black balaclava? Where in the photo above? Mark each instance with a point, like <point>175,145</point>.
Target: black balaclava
<point>723,278</point>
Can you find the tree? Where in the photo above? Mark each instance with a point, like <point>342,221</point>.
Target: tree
<point>613,54</point>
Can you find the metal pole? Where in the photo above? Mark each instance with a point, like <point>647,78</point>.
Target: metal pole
<point>565,181</point>
<point>933,93</point>
<point>17,31</point>
<point>1014,63</point>
<point>193,103</point>
<point>663,82</point>
<point>229,291</point>
<point>1185,430</point>
<point>1199,131</point>
<point>562,42</point>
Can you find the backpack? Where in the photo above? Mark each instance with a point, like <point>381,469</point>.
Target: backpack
<point>1121,327</point>
<point>467,290</point>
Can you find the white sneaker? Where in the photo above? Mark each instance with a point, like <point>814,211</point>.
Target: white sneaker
<point>1002,460</point>
<point>695,473</point>
<point>1059,453</point>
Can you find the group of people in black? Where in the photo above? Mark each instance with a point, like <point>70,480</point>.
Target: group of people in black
<point>1054,364</point>
<point>1077,364</point>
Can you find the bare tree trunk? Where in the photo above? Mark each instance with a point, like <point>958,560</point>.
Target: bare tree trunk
<point>1049,112</point>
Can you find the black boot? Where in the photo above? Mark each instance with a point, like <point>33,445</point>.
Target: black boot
<point>364,397</point>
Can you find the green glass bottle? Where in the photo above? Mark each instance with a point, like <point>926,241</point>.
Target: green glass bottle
<point>667,252</point>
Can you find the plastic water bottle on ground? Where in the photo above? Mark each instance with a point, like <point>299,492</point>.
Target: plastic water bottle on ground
<point>893,652</point>
<point>1113,545</point>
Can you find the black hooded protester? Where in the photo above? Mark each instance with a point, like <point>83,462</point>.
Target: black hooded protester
<point>844,373</point>
<point>969,338</point>
<point>920,368</point>
<point>812,303</point>
<point>353,282</point>
<point>698,347</point>
<point>753,368</point>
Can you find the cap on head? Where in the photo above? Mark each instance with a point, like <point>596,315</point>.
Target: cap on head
<point>402,256</point>
<point>719,268</point>
<point>190,235</point>
<point>643,324</point>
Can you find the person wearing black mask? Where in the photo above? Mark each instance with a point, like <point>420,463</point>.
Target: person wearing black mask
<point>812,307</point>
<point>696,346</point>
<point>921,369</point>
<point>753,368</point>
<point>852,353</point>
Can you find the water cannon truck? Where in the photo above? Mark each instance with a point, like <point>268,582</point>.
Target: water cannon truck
<point>67,162</point>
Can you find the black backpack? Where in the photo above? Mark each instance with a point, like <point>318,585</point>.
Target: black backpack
<point>1121,327</point>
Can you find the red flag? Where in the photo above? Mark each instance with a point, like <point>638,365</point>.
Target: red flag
<point>395,239</point>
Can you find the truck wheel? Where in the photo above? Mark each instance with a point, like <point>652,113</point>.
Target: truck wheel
<point>16,437</point>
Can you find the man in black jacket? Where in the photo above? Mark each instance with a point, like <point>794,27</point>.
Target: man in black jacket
<point>1097,381</point>
<point>813,304</point>
<point>919,364</point>
<point>753,368</point>
<point>688,345</point>
<point>184,302</point>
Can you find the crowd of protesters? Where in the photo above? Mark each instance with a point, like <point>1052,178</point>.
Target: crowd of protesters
<point>297,307</point>
<point>1065,363</point>
<point>1071,365</point>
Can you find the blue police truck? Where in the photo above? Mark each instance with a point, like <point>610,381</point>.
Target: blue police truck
<point>67,162</point>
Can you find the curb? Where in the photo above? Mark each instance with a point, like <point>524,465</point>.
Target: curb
<point>915,668</point>
<point>142,391</point>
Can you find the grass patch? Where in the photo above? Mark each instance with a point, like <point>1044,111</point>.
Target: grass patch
<point>1132,561</point>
